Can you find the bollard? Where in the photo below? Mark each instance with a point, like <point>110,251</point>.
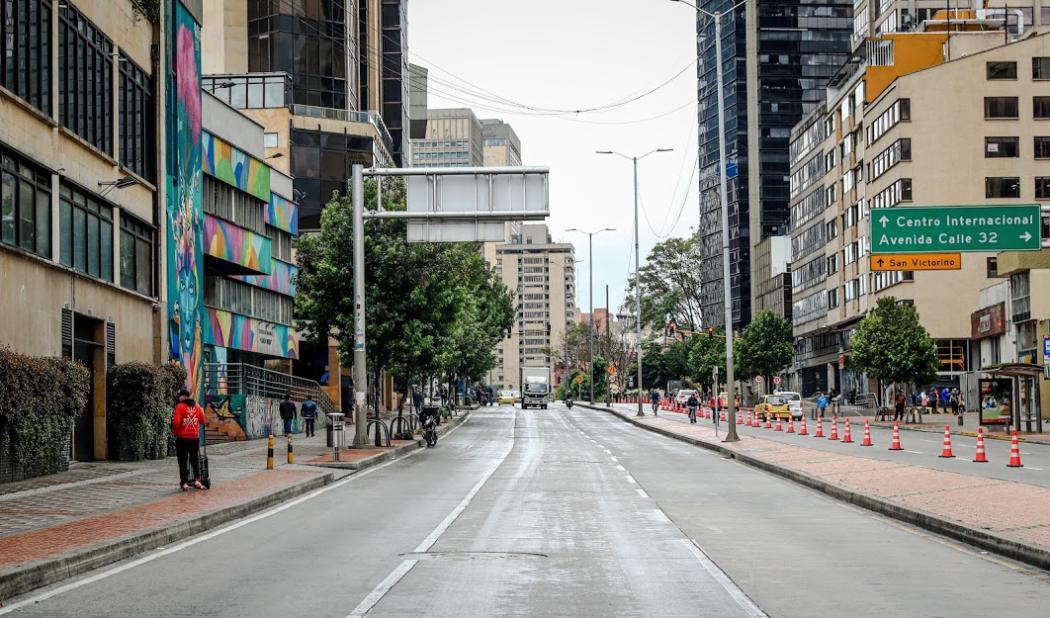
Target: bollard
<point>269,453</point>
<point>291,456</point>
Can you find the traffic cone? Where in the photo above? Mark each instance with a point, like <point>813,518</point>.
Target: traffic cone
<point>847,437</point>
<point>980,456</point>
<point>722,417</point>
<point>867,434</point>
<point>896,444</point>
<point>769,420</point>
<point>779,427</point>
<point>791,425</point>
<point>802,431</point>
<point>820,429</point>
<point>740,417</point>
<point>947,450</point>
<point>1015,451</point>
<point>754,419</point>
<point>834,435</point>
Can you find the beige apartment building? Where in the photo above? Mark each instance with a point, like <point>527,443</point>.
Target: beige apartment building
<point>502,148</point>
<point>541,275</point>
<point>927,120</point>
<point>453,139</point>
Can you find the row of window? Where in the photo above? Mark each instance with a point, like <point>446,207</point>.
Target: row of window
<point>1007,70</point>
<point>1010,146</point>
<point>898,112</point>
<point>807,208</point>
<point>898,151</point>
<point>239,297</point>
<point>899,191</point>
<point>229,203</point>
<point>1007,108</point>
<point>1007,187</point>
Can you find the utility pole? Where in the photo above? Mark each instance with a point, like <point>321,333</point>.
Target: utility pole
<point>608,348</point>
<point>360,358</point>
<point>590,284</point>
<point>637,266</point>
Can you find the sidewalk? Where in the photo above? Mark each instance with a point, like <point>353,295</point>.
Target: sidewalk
<point>58,526</point>
<point>1005,517</point>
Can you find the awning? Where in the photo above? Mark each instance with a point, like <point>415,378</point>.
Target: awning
<point>1015,370</point>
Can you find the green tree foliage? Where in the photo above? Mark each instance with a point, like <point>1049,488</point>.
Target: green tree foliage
<point>140,402</point>
<point>706,354</point>
<point>890,344</point>
<point>764,347</point>
<point>430,307</point>
<point>670,281</point>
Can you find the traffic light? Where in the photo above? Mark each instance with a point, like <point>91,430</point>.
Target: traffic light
<point>710,332</point>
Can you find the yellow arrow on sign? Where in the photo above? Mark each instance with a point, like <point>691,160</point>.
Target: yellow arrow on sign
<point>916,261</point>
<point>579,379</point>
<point>612,370</point>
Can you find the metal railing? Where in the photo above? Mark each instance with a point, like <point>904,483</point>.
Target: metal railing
<point>332,113</point>
<point>242,379</point>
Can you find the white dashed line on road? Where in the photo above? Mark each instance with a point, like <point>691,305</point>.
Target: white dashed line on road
<point>641,492</point>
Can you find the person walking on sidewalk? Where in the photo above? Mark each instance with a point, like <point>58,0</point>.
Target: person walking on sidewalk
<point>925,401</point>
<point>308,408</point>
<point>898,406</point>
<point>946,395</point>
<point>186,424</point>
<point>953,399</point>
<point>654,399</point>
<point>822,405</point>
<point>934,397</point>
<point>287,413</point>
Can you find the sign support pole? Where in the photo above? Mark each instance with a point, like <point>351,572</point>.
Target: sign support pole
<point>360,358</point>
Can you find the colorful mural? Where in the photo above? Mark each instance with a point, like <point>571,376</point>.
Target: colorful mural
<point>282,214</point>
<point>184,207</point>
<point>262,417</point>
<point>232,330</point>
<point>281,279</point>
<point>235,244</point>
<point>235,167</point>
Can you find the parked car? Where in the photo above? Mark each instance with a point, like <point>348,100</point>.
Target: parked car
<point>507,397</point>
<point>795,401</point>
<point>683,396</point>
<point>771,406</point>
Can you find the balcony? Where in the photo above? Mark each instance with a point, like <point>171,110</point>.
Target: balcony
<point>343,115</point>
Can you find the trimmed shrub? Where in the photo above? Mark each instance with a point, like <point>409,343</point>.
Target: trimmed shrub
<point>40,398</point>
<point>140,399</point>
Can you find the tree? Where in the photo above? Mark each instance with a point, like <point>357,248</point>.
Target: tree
<point>706,354</point>
<point>764,346</point>
<point>890,344</point>
<point>670,281</point>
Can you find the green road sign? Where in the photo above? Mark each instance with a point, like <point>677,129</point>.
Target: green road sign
<point>953,229</point>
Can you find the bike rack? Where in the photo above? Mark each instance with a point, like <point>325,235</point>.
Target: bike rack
<point>379,424</point>
<point>398,423</point>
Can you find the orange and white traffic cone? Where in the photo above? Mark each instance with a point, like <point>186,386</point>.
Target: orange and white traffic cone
<point>802,431</point>
<point>867,434</point>
<point>769,420</point>
<point>819,433</point>
<point>947,450</point>
<point>896,444</point>
<point>740,418</point>
<point>980,456</point>
<point>847,437</point>
<point>834,435</point>
<point>779,427</point>
<point>1015,451</point>
<point>722,417</point>
<point>791,425</point>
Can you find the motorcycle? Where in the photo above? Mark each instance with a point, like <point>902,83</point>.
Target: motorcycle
<point>568,403</point>
<point>430,430</point>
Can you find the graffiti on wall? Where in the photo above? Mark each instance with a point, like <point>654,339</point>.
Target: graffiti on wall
<point>281,278</point>
<point>232,330</point>
<point>263,417</point>
<point>237,245</point>
<point>184,211</point>
<point>282,214</point>
<point>235,167</point>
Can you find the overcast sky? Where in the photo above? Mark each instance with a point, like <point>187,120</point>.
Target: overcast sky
<point>577,54</point>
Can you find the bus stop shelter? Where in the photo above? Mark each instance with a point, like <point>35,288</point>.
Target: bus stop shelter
<point>1025,381</point>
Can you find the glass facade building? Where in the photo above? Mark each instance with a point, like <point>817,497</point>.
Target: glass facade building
<point>789,50</point>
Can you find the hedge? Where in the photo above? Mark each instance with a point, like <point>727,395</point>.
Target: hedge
<point>40,399</point>
<point>139,400</point>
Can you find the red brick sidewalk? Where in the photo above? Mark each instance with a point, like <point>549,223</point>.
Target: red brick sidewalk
<point>1015,512</point>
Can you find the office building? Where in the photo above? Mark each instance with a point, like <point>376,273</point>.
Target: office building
<point>453,139</point>
<point>502,148</point>
<point>778,58</point>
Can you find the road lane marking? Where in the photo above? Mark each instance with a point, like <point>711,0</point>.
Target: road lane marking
<point>630,479</point>
<point>208,535</point>
<point>641,492</point>
<point>727,583</point>
<point>621,468</point>
<point>915,452</point>
<point>613,458</point>
<point>395,576</point>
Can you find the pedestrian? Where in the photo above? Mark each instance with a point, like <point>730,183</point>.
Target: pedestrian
<point>692,403</point>
<point>186,424</point>
<point>898,407</point>
<point>308,408</point>
<point>945,396</point>
<point>934,398</point>
<point>654,399</point>
<point>417,399</point>
<point>287,410</point>
<point>924,401</point>
<point>822,404</point>
<point>324,377</point>
<point>954,401</point>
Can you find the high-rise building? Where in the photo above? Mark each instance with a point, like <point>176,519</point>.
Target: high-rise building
<point>777,57</point>
<point>502,148</point>
<point>541,275</point>
<point>453,139</point>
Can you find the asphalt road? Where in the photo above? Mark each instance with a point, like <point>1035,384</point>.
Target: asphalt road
<point>557,513</point>
<point>921,448</point>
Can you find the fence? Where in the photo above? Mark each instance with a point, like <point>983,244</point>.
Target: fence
<point>249,380</point>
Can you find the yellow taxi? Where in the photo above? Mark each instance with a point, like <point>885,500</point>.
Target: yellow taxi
<point>507,397</point>
<point>773,405</point>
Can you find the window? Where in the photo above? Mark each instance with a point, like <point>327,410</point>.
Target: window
<point>1001,70</point>
<point>136,119</point>
<point>899,111</point>
<point>1042,147</point>
<point>833,230</point>
<point>1042,187</point>
<point>829,160</point>
<point>999,147</point>
<point>85,79</point>
<point>85,233</point>
<point>830,199</point>
<point>1002,187</point>
<point>270,140</point>
<point>899,191</point>
<point>1000,107</point>
<point>25,205</point>
<point>833,264</point>
<point>1041,67</point>
<point>898,151</point>
<point>25,50</point>
<point>833,298</point>
<point>992,267</point>
<point>1041,107</point>
<point>136,255</point>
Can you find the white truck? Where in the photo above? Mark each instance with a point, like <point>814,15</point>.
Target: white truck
<point>535,387</point>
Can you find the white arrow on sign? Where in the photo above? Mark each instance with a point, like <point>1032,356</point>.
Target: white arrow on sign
<point>1026,236</point>
<point>884,220</point>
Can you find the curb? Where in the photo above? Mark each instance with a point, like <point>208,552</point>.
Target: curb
<point>978,538</point>
<point>394,452</point>
<point>20,580</point>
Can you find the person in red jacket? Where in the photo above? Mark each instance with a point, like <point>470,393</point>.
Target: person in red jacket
<point>186,423</point>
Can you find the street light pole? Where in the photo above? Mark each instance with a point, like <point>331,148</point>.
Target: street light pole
<point>590,284</point>
<point>637,266</point>
<point>727,298</point>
